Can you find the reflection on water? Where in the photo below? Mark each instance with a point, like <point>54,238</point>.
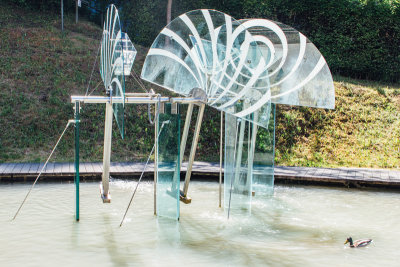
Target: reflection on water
<point>297,225</point>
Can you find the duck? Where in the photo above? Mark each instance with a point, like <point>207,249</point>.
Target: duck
<point>358,243</point>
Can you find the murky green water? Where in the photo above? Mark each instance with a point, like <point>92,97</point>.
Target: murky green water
<point>298,226</point>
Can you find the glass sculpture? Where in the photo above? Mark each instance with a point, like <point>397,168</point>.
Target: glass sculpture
<point>244,67</point>
<point>112,64</point>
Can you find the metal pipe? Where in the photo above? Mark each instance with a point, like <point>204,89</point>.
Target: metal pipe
<point>185,131</point>
<point>62,15</point>
<point>116,99</point>
<point>187,100</point>
<point>134,99</point>
<point>193,149</point>
<point>156,158</point>
<point>77,110</point>
<point>234,157</point>
<point>252,146</point>
<point>239,153</point>
<point>105,195</point>
<point>220,159</point>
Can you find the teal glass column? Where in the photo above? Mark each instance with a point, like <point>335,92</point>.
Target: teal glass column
<point>77,108</point>
<point>168,169</point>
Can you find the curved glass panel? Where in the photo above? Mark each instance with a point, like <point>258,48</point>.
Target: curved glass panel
<point>210,50</point>
<point>112,64</point>
<point>298,73</point>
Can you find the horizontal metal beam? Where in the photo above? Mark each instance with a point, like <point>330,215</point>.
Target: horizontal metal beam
<point>187,100</point>
<point>137,99</point>
<point>116,99</point>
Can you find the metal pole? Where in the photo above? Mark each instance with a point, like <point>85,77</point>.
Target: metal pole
<point>234,159</point>
<point>186,131</point>
<point>77,107</point>
<point>193,149</point>
<point>156,158</point>
<point>220,159</point>
<point>62,15</point>
<point>250,159</point>
<point>76,11</point>
<point>239,153</point>
<point>105,195</point>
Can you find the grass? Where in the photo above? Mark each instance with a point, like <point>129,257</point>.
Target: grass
<point>362,131</point>
<point>40,68</point>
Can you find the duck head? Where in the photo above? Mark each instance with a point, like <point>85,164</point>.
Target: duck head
<point>349,240</point>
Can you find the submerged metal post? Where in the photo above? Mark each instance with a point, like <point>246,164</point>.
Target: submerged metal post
<point>105,194</point>
<point>77,109</point>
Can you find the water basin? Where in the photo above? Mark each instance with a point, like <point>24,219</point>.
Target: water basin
<point>297,226</point>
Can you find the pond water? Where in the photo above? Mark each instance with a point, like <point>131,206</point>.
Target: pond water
<point>297,226</point>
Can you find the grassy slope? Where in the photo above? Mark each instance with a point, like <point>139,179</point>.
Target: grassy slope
<point>40,68</point>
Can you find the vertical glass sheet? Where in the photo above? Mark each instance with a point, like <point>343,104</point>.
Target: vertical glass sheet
<point>168,169</point>
<point>237,181</point>
<point>249,161</point>
<point>112,64</point>
<point>263,160</point>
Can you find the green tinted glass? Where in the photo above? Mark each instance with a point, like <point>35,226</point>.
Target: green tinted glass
<point>168,170</point>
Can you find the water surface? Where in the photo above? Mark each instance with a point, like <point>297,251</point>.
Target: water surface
<point>297,226</point>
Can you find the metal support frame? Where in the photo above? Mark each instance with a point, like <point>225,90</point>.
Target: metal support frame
<point>193,152</point>
<point>143,98</point>
<point>77,110</point>
<point>104,188</point>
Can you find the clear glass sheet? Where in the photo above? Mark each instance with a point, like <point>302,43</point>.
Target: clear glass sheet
<point>210,50</point>
<point>249,161</point>
<point>129,53</point>
<point>298,72</point>
<point>263,160</point>
<point>168,169</point>
<point>112,64</point>
<point>237,180</point>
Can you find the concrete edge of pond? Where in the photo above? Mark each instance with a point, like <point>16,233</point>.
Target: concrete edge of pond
<point>91,171</point>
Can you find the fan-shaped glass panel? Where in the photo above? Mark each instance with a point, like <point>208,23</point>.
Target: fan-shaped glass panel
<point>112,64</point>
<point>297,72</point>
<point>210,50</point>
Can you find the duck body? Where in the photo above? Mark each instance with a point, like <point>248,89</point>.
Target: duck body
<point>358,243</point>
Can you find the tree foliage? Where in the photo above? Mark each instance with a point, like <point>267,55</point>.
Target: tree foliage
<point>358,38</point>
